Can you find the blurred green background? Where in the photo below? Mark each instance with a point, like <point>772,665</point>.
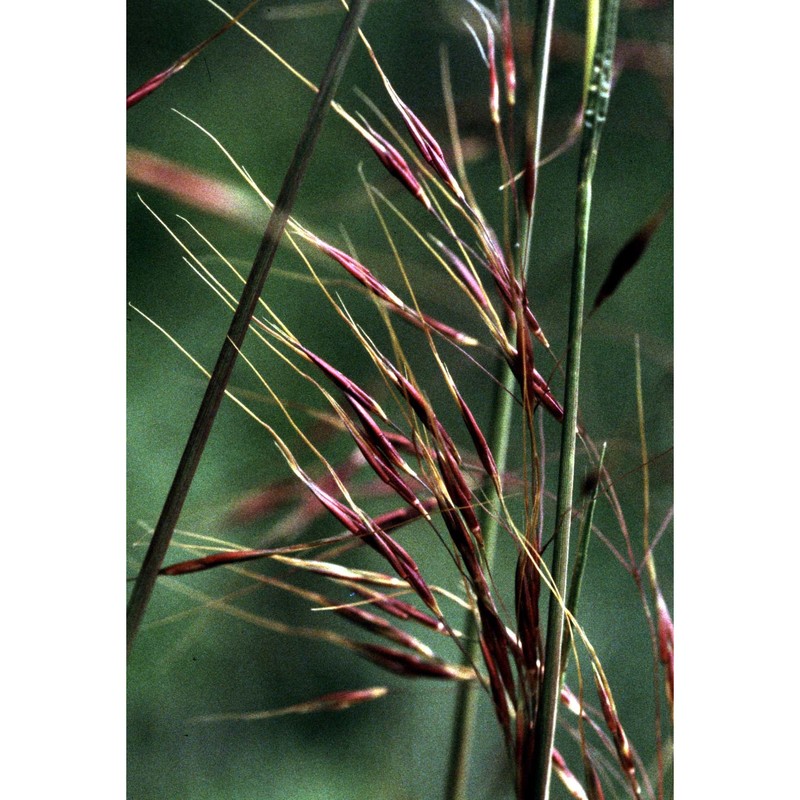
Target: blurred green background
<point>190,660</point>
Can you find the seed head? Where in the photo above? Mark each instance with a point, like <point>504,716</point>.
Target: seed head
<point>395,164</point>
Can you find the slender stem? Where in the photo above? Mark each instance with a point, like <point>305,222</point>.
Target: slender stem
<point>242,317</point>
<point>650,561</point>
<point>545,729</point>
<point>543,31</point>
<point>594,117</point>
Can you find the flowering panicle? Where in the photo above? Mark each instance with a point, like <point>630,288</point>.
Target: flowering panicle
<point>406,446</point>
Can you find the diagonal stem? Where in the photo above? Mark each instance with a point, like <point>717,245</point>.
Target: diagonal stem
<point>218,383</point>
<point>594,117</point>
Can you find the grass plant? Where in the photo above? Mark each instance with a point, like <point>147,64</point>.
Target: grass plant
<point>407,385</point>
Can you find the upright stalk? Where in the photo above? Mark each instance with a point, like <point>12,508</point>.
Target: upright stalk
<point>242,318</point>
<point>500,432</point>
<point>543,31</point>
<point>594,117</point>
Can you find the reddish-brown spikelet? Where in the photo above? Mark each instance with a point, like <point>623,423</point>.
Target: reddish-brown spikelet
<point>402,516</point>
<point>529,179</point>
<point>494,635</point>
<point>397,608</point>
<point>335,701</point>
<point>482,448</point>
<point>536,385</point>
<point>494,85</point>
<point>520,359</point>
<point>403,564</point>
<point>402,442</point>
<point>214,560</point>
<point>380,290</point>
<point>630,254</point>
<point>357,615</point>
<point>567,778</point>
<point>496,261</point>
<point>509,68</point>
<point>569,699</point>
<point>386,472</point>
<point>535,327</point>
<point>377,436</point>
<point>339,701</point>
<point>617,732</point>
<point>153,83</point>
<point>493,632</point>
<point>388,521</point>
<point>358,271</point>
<point>350,388</point>
<point>422,320</point>
<point>546,395</point>
<point>465,275</point>
<point>336,572</point>
<point>527,590</point>
<point>381,627</point>
<point>421,407</point>
<point>395,164</point>
<point>499,698</point>
<point>149,86</point>
<point>525,368</point>
<point>423,139</point>
<point>666,645</point>
<point>526,741</point>
<point>397,558</point>
<point>512,292</point>
<point>459,535</point>
<point>347,517</point>
<point>412,665</point>
<point>429,147</point>
<point>458,490</point>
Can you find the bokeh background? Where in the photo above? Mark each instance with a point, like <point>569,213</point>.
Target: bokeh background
<point>192,660</point>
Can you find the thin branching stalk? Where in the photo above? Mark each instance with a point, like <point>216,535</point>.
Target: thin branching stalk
<point>241,320</point>
<point>594,117</point>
